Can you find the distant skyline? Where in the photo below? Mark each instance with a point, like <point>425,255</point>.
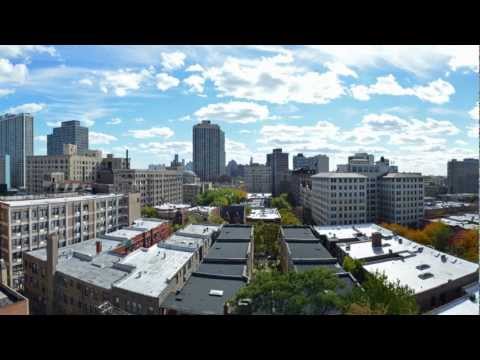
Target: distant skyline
<point>415,105</point>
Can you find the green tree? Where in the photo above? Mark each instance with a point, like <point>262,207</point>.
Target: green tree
<point>221,197</point>
<point>354,267</point>
<point>195,219</point>
<point>215,219</point>
<point>149,212</point>
<point>311,292</point>
<point>281,202</point>
<point>266,238</point>
<point>289,218</point>
<point>382,297</point>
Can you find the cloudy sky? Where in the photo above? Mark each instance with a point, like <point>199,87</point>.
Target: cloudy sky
<point>416,105</point>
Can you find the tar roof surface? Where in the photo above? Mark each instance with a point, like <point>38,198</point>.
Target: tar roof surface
<point>336,268</point>
<point>195,298</point>
<point>298,233</point>
<point>221,269</point>
<point>228,250</point>
<point>232,233</point>
<point>308,251</point>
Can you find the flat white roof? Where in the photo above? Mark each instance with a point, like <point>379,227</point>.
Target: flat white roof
<point>264,214</point>
<point>123,234</point>
<point>338,175</point>
<point>182,243</point>
<point>364,250</point>
<point>167,206</point>
<point>349,231</point>
<point>205,209</point>
<point>408,270</point>
<point>147,224</point>
<point>461,306</point>
<point>198,230</point>
<point>46,201</point>
<point>258,195</point>
<point>154,268</point>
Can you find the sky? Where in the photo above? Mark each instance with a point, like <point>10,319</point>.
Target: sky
<point>415,105</point>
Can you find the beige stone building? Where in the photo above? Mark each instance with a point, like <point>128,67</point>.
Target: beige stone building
<point>75,167</point>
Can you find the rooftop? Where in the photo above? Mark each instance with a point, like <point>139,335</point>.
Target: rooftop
<point>123,234</point>
<point>338,175</point>
<point>146,224</point>
<point>335,267</point>
<point>348,232</point>
<point>235,233</point>
<point>298,233</point>
<point>196,230</point>
<point>203,209</point>
<point>184,243</point>
<point>401,175</point>
<point>423,271</point>
<point>310,250</point>
<point>168,207</point>
<point>465,305</point>
<point>196,297</point>
<point>153,269</point>
<point>228,250</point>
<point>264,214</point>
<point>58,200</point>
<point>363,250</point>
<point>258,196</point>
<point>222,269</point>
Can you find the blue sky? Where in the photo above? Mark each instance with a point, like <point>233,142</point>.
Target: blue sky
<point>416,105</point>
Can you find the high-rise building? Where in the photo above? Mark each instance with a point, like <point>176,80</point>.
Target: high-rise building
<point>16,140</point>
<point>278,162</point>
<point>258,178</point>
<point>232,168</point>
<point>208,151</point>
<point>400,198</point>
<point>318,163</point>
<point>155,186</point>
<point>75,167</point>
<point>70,132</point>
<point>339,198</point>
<point>25,223</point>
<point>462,176</point>
<point>5,172</point>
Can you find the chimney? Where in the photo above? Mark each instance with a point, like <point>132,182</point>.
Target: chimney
<point>98,246</point>
<point>376,239</point>
<point>52,254</point>
<point>225,309</point>
<point>3,272</point>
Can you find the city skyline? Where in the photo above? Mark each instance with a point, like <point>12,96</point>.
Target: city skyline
<point>415,105</point>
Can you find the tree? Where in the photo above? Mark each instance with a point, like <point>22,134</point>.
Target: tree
<point>266,239</point>
<point>195,219</point>
<point>221,197</point>
<point>281,202</point>
<point>312,292</point>
<point>381,296</point>
<point>354,266</point>
<point>149,212</point>
<point>289,218</point>
<point>215,219</point>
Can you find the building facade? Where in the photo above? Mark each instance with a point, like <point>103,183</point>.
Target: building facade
<point>318,163</point>
<point>339,198</point>
<point>155,186</point>
<point>208,151</point>
<point>401,199</point>
<point>69,132</point>
<point>278,162</point>
<point>258,178</point>
<point>5,176</point>
<point>75,166</point>
<point>462,176</point>
<point>16,140</point>
<point>25,223</point>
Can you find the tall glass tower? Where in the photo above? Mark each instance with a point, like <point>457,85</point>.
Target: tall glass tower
<point>208,151</point>
<point>70,132</point>
<point>16,140</point>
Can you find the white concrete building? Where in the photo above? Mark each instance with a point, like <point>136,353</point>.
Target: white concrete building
<point>338,198</point>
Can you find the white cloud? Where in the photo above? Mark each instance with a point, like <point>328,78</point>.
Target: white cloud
<point>54,123</point>
<point>5,92</point>
<point>233,112</point>
<point>245,131</point>
<point>97,138</point>
<point>86,81</point>
<point>114,121</point>
<point>437,92</point>
<point>12,73</point>
<point>165,81</point>
<point>164,151</point>
<point>196,83</point>
<point>16,51</point>
<point>237,151</point>
<point>195,68</point>
<point>139,120</point>
<point>123,81</point>
<point>27,108</point>
<point>173,60</point>
<point>474,113</point>
<point>41,138</point>
<point>472,131</point>
<point>152,132</point>
<point>276,80</point>
<point>417,59</point>
<point>461,142</point>
<point>185,118</point>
